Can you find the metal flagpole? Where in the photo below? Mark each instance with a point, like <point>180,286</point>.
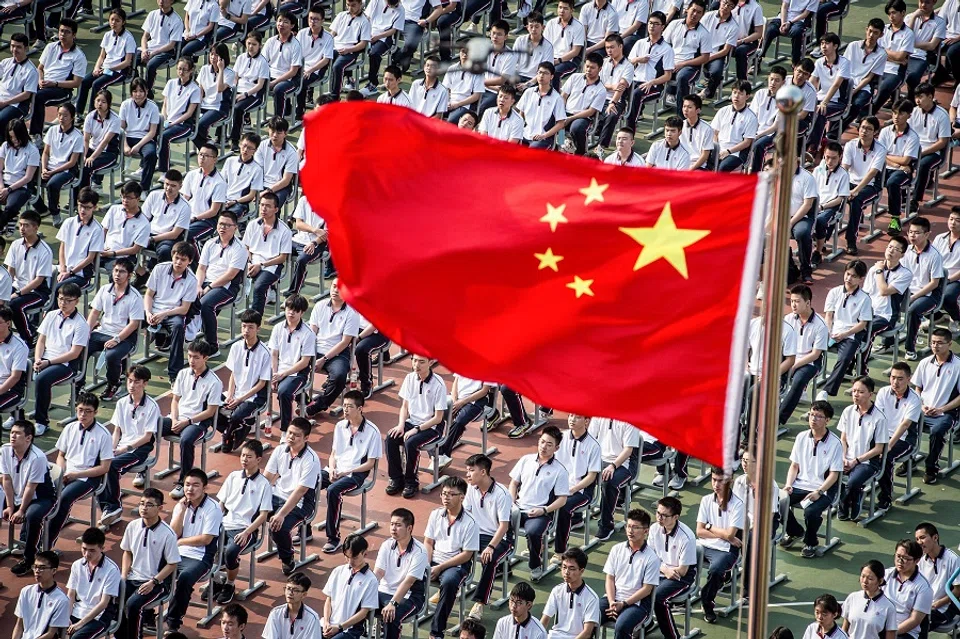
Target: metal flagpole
<point>789,100</point>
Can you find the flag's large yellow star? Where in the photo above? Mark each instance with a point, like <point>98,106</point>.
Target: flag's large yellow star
<point>581,287</point>
<point>548,260</point>
<point>554,216</point>
<point>594,192</point>
<point>664,240</point>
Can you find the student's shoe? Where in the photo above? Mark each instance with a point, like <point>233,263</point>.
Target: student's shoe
<point>41,429</point>
<point>370,89</point>
<point>536,574</point>
<point>822,396</point>
<point>332,546</point>
<point>393,488</point>
<point>518,431</point>
<point>410,491</point>
<point>8,424</point>
<point>816,258</point>
<point>709,614</point>
<point>787,541</point>
<point>809,552</point>
<point>557,558</point>
<point>910,356</point>
<point>287,567</point>
<point>852,250</point>
<point>111,517</point>
<point>226,594</point>
<point>271,296</point>
<point>544,414</point>
<point>444,462</point>
<point>843,515</point>
<point>603,535</point>
<point>658,480</point>
<point>110,393</point>
<point>954,327</point>
<point>677,482</point>
<point>21,568</point>
<point>894,227</point>
<point>177,492</point>
<point>476,612</point>
<point>139,481</point>
<point>314,408</point>
<point>931,478</point>
<point>295,538</point>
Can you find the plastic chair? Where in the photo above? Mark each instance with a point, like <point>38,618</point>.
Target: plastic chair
<point>161,602</point>
<point>120,600</point>
<point>872,487</point>
<point>484,418</point>
<point>521,532</point>
<point>361,490</point>
<point>212,611</point>
<point>174,440</point>
<point>686,600</point>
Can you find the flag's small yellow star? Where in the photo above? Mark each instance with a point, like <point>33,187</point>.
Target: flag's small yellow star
<point>594,192</point>
<point>554,216</point>
<point>664,240</point>
<point>548,260</point>
<point>581,287</point>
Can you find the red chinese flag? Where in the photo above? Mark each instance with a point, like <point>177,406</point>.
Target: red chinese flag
<point>589,288</point>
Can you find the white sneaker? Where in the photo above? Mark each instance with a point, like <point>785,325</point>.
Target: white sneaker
<point>954,327</point>
<point>822,396</point>
<point>444,462</point>
<point>177,492</point>
<point>569,147</point>
<point>135,175</point>
<point>41,429</point>
<point>476,612</point>
<point>658,480</point>
<point>8,424</point>
<point>677,482</point>
<point>271,296</point>
<point>110,517</point>
<point>139,481</point>
<point>925,324</point>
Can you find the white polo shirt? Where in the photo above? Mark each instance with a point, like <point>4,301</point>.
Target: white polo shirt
<point>898,409</point>
<point>282,56</point>
<point>276,163</point>
<point>204,190</point>
<point>207,79</point>
<point>731,517</point>
<point>749,16</point>
<point>804,188</point>
<point>165,215</point>
<point>235,8</point>
<point>912,594</point>
<point>849,309</point>
<point>869,617</point>
<point>450,539</point>
<point>746,493</point>
<point>826,74</point>
<point>117,47</point>
<point>812,631</point>
<point>307,215</point>
<point>581,95</point>
<point>423,397</point>
<point>349,592</point>
<point>99,128</point>
<point>631,12</point>
<point>136,419</point>
<point>13,356</point>
<point>502,63</point>
<point>938,383</point>
<point>661,156</point>
<point>931,126</point>
<point>92,585</point>
<point>949,251</point>
<point>902,40</point>
<point>697,139</point>
<point>219,258</point>
<point>429,102</point>
<point>722,33</point>
<point>332,326</point>
<point>249,365</point>
<point>170,291</point>
<point>306,624</point>
<point>123,231</point>
<point>540,112</point>
<point>293,471</point>
<point>507,129</point>
<point>863,431</point>
<point>116,309</point>
<point>926,265</point>
<point>316,48</point>
<point>633,569</point>
<point>811,335</point>
<point>734,126</point>
<point>831,184</point>
<point>28,261</point>
<point>152,548</point>
<point>84,448</point>
<point>462,84</point>
<point>400,98</point>
<point>249,71</point>
<point>581,456</point>
<point>678,548</point>
<point>764,106</point>
<point>564,38</point>
<point>33,468</point>
<point>16,161</point>
<point>62,145</point>
<point>204,519</point>
<point>60,65</point>
<point>383,17</point>
<point>863,63</point>
<point>858,163</point>
<point>572,609</point>
<point>244,498</point>
<point>63,332</point>
<point>41,610</point>
<point>660,55</point>
<point>399,563</point>
<point>507,628</point>
<point>788,344</point>
<point>350,30</point>
<point>292,345</point>
<point>178,97</point>
<point>263,247</point>
<point>927,30</point>
<point>796,7</point>
<point>197,392</point>
<point>613,72</point>
<point>79,240</point>
<point>598,22</point>
<point>614,436</point>
<point>938,571</point>
<point>816,459</point>
<point>16,78</point>
<point>687,43</point>
<point>809,95</point>
<point>242,177</point>
<point>540,484</point>
<point>531,56</point>
<point>489,509</point>
<point>355,448</point>
<point>905,144</point>
<point>201,13</point>
<point>163,28</point>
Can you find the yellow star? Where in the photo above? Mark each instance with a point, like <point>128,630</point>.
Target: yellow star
<point>664,240</point>
<point>554,216</point>
<point>581,287</point>
<point>594,192</point>
<point>548,260</point>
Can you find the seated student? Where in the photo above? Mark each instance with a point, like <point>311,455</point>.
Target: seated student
<point>908,589</point>
<point>246,498</point>
<point>691,42</point>
<point>84,451</point>
<point>428,96</point>
<point>17,171</point>
<point>197,393</point>
<point>465,88</point>
<point>833,189</point>
<point>62,66</point>
<point>697,136</point>
<point>533,48</point>
<point>232,15</point>
<point>668,153</point>
<point>886,283</point>
<point>292,345</point>
<point>678,560</point>
<point>169,216</point>
<point>736,129</point>
<point>452,538</point>
<point>114,321</point>
<point>800,78</point>
<point>520,623</point>
<point>584,96</point>
<point>6,287</point>
<point>308,243</point>
<point>542,108</point>
<point>926,263</point>
<point>539,485</point>
<point>903,149</point>
<point>932,125</point>
<point>127,230</point>
<point>898,40</point>
<point>745,487</point>
<point>352,31</point>
<point>617,441</point>
<point>162,31</point>
<point>599,20</point>
<point>294,471</point>
<point>848,310</point>
<point>196,520</point>
<point>317,46</point>
<point>831,77</point>
<point>34,619</point>
<point>499,66</point>
<point>206,190</point>
<point>827,610</point>
<point>901,405</point>
<point>937,379</point>
<point>60,160</point>
<point>14,356</point>
<point>146,569</point>
<point>469,398</point>
<point>294,618</point>
<point>502,122</point>
<point>568,37</point>
<point>253,73</point>
<point>864,433</point>
<point>573,603</point>
<point>268,242</point>
<point>101,139</point>
<point>351,592</point>
<point>18,82</point>
<point>219,275</point>
<point>937,565</point>
<point>386,21</point>
<point>181,101</point>
<point>244,177</point>
<point>136,425</point>
<point>249,362</point>
<point>946,244</point>
<point>62,336</point>
<point>28,490</point>
<point>794,20</point>
<point>424,397</point>
<point>930,31</point>
<point>279,160</point>
<point>813,478</point>
<point>199,24</point>
<point>393,92</point>
<point>171,290</point>
<point>579,453</point>
<point>368,340</point>
<point>81,240</point>
<point>616,75</point>
<point>867,60</point>
<point>653,58</point>
<point>285,57</point>
<point>764,106</point>
<point>720,526</point>
<point>357,445</point>
<point>725,32</point>
<point>117,48</point>
<point>217,81</point>
<point>803,219</point>
<point>863,159</point>
<point>29,261</point>
<point>93,583</point>
<point>811,343</point>
<point>401,567</point>
<point>631,573</point>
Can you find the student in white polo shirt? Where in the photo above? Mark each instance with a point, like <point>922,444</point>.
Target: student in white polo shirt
<point>464,88</point>
<point>725,32</point>
<point>62,66</point>
<point>206,190</point>
<point>692,43</point>
<point>669,153</point>
<point>720,526</point>
<point>29,262</point>
<point>932,124</point>
<point>653,57</point>
<point>584,95</point>
<point>253,73</point>
<point>292,345</point>
<point>827,611</point>
<point>908,589</point>
<point>542,108</point>
<point>127,228</point>
<point>452,539</point>
<point>197,395</point>
<point>93,583</point>
<point>812,340</point>
<point>793,22</point>
<point>401,567</point>
<point>899,41</point>
<point>393,93</point>
<point>269,242</point>
<point>927,265</point>
<point>285,57</point>
<point>60,160</point>
<point>171,290</point>
<point>317,46</point>
<point>18,82</point>
<point>162,32</point>
<point>675,544</point>
<point>764,105</point>
<point>140,121</point>
<point>867,60</point>
<point>428,96</point>
<point>539,485</point>
<point>948,246</point>
<point>117,48</point>
<point>244,177</point>
<point>813,478</point>
<point>336,325</point>
<point>42,610</point>
<point>101,140</point>
<point>833,187</point>
<point>902,407</point>
<point>616,74</point>
<point>632,573</point>
<point>84,451</point>
<point>351,593</point>
<point>294,471</point>
<point>14,356</point>
<point>937,379</point>
<point>150,556</point>
<point>246,498</point>
<point>573,603</point>
<point>697,136</point>
<point>114,320</point>
<point>279,160</point>
<point>28,490</point>
<point>903,150</point>
<point>250,365</point>
<point>196,520</point>
<point>502,122</point>
<point>848,310</point>
<point>181,101</point>
<point>81,240</point>
<point>309,244</point>
<point>568,37</point>
<point>868,613</point>
<point>624,155</point>
<point>532,48</point>
<point>219,275</point>
<point>294,619</point>
<point>352,31</point>
<point>617,440</point>
<point>938,565</point>
<point>217,82</point>
<point>599,19</point>
<point>470,398</point>
<point>863,159</point>
<point>490,505</point>
<point>420,422</point>
<point>169,215</point>
<point>19,163</point>
<point>736,129</point>
<point>831,77</point>
<point>864,432</point>
<point>520,623</point>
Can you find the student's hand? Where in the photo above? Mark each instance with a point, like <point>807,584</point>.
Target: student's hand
<point>69,477</point>
<point>276,522</point>
<point>536,512</point>
<point>388,612</point>
<point>487,555</point>
<point>98,71</point>
<point>331,631</point>
<point>735,541</point>
<point>253,270</point>
<point>410,433</point>
<point>45,174</point>
<point>784,27</point>
<point>72,628</point>
<point>435,572</point>
<point>608,472</point>
<point>822,107</point>
<point>113,343</point>
<point>723,154</point>
<point>145,588</point>
<point>7,513</point>
<point>180,425</point>
<point>814,496</point>
<point>396,431</point>
<point>277,378</point>
<point>19,517</point>
<point>310,248</point>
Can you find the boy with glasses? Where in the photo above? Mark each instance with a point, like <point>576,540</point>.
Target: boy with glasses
<point>937,379</point>
<point>294,619</point>
<point>676,546</point>
<point>908,589</point>
<point>219,274</point>
<point>632,572</point>
<point>519,623</point>
<point>42,611</point>
<point>573,603</point>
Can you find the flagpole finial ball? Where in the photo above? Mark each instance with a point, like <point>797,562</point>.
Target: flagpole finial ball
<point>789,98</point>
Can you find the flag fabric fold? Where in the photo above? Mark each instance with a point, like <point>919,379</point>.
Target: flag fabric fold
<point>589,288</point>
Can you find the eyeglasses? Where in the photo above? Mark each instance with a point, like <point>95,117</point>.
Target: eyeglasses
<point>68,299</point>
<point>225,225</point>
<point>294,590</point>
<point>206,155</point>
<point>447,493</point>
<point>40,568</point>
<point>147,504</point>
<point>899,557</point>
<point>517,602</point>
<point>817,417</point>
<point>661,515</point>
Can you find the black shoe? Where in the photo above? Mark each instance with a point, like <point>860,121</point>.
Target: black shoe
<point>314,408</point>
<point>852,250</point>
<point>22,568</point>
<point>394,487</point>
<point>226,594</point>
<point>329,273</point>
<point>367,391</point>
<point>843,515</point>
<point>140,280</point>
<point>931,478</point>
<point>901,470</point>
<point>173,625</point>
<point>816,258</point>
<point>287,567</point>
<point>110,393</point>
<point>884,504</point>
<point>709,614</point>
<point>410,491</point>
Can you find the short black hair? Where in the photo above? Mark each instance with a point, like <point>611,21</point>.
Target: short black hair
<point>778,70</point>
<point>823,407</point>
<point>93,536</point>
<point>554,433</point>
<point>70,289</point>
<point>355,544</point>
<point>595,57</point>
<point>154,494</point>
<point>185,249</point>
<point>456,483</point>
<point>694,99</point>
<point>866,381</point>
<point>87,399</point>
<point>255,446</point>
<point>201,346</point>
<point>640,516</point>
<point>296,302</point>
<point>131,188</point>
<point>88,196</point>
<point>140,372</point>
<point>276,123</point>
<point>251,316</point>
<point>922,222</point>
<point>267,194</point>
<point>405,515</point>
<point>830,38</point>
<point>803,291</point>
<point>173,175</point>
<point>196,473</point>
<point>524,591</point>
<point>859,268</point>
<point>302,423</point>
<point>356,396</point>
<point>300,579</point>
<point>236,611</point>
<point>481,461</point>
<point>576,555</point>
<point>29,428</point>
<point>49,556</point>
<point>672,504</point>
<point>470,625</point>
